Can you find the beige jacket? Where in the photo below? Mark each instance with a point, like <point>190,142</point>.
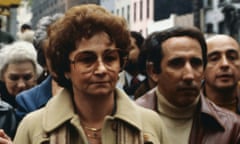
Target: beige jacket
<point>37,127</point>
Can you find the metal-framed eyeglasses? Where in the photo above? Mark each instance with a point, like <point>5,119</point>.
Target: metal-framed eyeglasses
<point>88,60</point>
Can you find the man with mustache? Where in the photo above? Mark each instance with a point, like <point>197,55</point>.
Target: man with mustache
<point>179,56</point>
<point>131,78</point>
<point>222,72</point>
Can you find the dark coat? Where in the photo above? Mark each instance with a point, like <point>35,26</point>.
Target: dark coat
<point>10,99</point>
<point>7,119</point>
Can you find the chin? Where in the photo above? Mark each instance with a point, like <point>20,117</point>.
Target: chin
<point>102,93</point>
<point>226,86</point>
<point>188,94</point>
<point>187,101</point>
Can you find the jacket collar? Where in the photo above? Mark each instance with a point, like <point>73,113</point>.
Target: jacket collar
<point>127,111</point>
<point>238,106</point>
<point>238,100</point>
<point>210,111</point>
<point>60,109</point>
<point>46,94</point>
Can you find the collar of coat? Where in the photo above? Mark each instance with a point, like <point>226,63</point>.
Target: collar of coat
<point>211,112</point>
<point>60,109</point>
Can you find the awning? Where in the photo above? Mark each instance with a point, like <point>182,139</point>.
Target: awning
<point>5,6</point>
<point>9,3</point>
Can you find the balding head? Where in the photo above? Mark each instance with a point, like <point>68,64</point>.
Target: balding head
<point>221,41</point>
<point>223,66</point>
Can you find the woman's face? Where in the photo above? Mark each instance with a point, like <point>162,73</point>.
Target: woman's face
<point>19,76</point>
<point>94,68</point>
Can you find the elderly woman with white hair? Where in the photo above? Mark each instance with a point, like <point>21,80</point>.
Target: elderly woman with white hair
<point>35,98</point>
<point>19,69</point>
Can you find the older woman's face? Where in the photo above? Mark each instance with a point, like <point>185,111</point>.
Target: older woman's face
<point>95,66</point>
<point>19,76</point>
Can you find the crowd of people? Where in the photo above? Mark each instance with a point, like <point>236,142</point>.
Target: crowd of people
<point>84,77</point>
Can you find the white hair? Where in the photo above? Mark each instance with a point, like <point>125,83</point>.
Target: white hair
<point>17,52</point>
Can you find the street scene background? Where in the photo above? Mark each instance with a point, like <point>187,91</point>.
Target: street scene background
<point>145,16</point>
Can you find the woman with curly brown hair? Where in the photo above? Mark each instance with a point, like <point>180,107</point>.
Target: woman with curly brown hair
<point>87,49</point>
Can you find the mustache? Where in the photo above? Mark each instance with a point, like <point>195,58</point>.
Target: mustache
<point>187,86</point>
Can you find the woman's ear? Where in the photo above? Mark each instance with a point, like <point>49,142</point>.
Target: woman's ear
<point>151,72</point>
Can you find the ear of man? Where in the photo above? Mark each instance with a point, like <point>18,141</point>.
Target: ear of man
<point>151,71</point>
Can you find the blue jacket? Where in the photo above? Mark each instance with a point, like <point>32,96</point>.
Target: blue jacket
<point>34,98</point>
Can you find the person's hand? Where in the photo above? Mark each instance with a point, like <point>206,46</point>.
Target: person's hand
<point>4,138</point>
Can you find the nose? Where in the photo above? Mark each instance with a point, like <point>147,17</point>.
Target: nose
<point>21,84</point>
<point>100,67</point>
<point>224,62</point>
<point>188,73</point>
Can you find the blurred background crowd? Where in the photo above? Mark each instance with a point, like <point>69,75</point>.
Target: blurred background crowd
<point>27,79</point>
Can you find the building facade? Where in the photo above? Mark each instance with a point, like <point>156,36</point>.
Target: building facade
<point>222,17</point>
<point>71,3</point>
<point>108,4</point>
<point>147,14</point>
<point>140,14</point>
<point>122,8</point>
<point>41,8</point>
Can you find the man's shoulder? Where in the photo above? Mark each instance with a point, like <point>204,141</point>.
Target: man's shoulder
<point>134,112</point>
<point>145,112</point>
<point>148,100</point>
<point>226,114</point>
<point>225,118</point>
<point>153,124</point>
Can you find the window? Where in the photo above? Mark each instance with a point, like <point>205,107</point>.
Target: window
<point>209,4</point>
<point>141,10</point>
<point>117,11</point>
<point>209,28</point>
<point>148,8</point>
<point>123,12</point>
<point>221,28</point>
<point>128,13</point>
<point>221,1</point>
<point>134,12</point>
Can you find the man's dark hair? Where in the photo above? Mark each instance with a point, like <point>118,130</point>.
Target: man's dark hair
<point>143,56</point>
<point>25,26</point>
<point>138,37</point>
<point>154,46</point>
